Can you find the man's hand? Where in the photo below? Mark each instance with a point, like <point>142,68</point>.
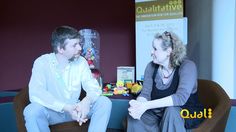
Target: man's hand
<point>83,109</point>
<point>137,109</point>
<point>71,109</point>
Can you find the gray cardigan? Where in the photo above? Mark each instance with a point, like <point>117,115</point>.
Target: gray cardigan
<point>187,82</point>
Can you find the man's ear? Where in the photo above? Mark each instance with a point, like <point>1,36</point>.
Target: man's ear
<point>169,50</point>
<point>59,49</point>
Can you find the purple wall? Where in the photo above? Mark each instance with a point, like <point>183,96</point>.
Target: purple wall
<point>26,26</point>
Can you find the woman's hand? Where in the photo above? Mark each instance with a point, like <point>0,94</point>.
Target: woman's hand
<point>137,108</point>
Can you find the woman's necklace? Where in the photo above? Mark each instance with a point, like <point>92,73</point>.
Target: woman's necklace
<point>168,75</point>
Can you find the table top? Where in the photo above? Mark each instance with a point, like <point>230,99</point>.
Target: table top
<point>120,96</point>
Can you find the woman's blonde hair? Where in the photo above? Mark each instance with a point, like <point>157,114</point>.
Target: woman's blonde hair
<point>170,39</point>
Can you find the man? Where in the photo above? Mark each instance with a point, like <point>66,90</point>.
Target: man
<point>55,87</point>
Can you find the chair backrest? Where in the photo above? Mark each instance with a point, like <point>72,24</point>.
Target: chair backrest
<point>20,101</point>
<point>213,96</point>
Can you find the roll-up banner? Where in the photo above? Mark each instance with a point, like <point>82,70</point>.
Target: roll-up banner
<point>156,16</point>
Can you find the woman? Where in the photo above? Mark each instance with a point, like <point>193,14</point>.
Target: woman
<point>170,84</point>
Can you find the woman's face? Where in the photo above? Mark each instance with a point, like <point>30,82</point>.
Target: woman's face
<point>160,56</point>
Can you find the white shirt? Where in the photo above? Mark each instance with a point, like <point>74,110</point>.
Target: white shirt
<point>53,87</point>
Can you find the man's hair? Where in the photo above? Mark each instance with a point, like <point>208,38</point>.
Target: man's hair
<point>170,39</point>
<point>62,33</point>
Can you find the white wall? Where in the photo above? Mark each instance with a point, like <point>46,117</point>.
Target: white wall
<point>223,39</point>
<point>212,34</point>
<point>199,45</point>
<point>235,51</point>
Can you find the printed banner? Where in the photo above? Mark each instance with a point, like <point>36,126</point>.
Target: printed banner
<point>156,16</point>
<point>159,9</point>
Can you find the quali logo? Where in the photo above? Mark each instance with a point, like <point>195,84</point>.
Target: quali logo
<point>206,113</point>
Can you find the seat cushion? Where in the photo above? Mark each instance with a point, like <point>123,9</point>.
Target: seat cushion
<point>70,127</point>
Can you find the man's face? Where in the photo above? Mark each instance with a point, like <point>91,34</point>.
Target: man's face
<point>72,49</point>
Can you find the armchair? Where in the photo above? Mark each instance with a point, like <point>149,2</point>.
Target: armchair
<point>212,95</point>
<point>21,100</point>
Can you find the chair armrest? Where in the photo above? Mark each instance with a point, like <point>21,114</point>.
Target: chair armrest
<point>218,120</point>
<point>20,101</point>
<point>82,94</point>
